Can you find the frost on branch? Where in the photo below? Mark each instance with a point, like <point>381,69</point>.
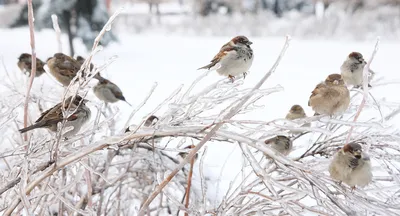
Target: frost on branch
<point>96,173</point>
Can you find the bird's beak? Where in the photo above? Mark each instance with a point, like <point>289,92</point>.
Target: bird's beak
<point>336,82</point>
<point>357,154</point>
<point>85,101</point>
<point>249,43</point>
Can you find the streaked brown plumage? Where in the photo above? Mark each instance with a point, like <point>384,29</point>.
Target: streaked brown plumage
<point>51,117</point>
<point>330,97</point>
<point>280,143</point>
<point>63,68</point>
<point>351,166</point>
<point>25,64</point>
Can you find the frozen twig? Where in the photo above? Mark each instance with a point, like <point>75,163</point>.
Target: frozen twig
<point>192,153</point>
<point>365,87</point>
<point>57,29</point>
<point>33,70</point>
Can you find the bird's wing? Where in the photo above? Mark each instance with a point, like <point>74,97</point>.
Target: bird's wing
<point>317,91</point>
<point>223,52</point>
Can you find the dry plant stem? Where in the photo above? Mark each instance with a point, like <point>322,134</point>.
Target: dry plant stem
<point>57,29</point>
<point>33,71</point>
<point>189,184</point>
<point>233,111</point>
<point>365,87</point>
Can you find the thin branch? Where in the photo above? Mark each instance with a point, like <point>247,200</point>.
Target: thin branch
<point>192,153</point>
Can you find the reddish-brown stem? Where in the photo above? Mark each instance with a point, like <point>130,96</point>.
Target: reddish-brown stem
<point>33,70</point>
<point>189,184</point>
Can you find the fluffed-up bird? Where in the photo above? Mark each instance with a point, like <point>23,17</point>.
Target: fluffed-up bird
<point>330,97</point>
<point>351,166</point>
<point>234,58</point>
<point>108,92</point>
<point>25,64</point>
<point>51,117</point>
<point>63,68</point>
<point>297,112</point>
<point>352,70</point>
<point>280,143</point>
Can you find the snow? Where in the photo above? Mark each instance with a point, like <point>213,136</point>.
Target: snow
<point>172,60</point>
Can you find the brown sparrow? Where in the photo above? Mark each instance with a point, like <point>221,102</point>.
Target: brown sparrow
<point>25,64</point>
<point>235,58</point>
<point>330,97</point>
<point>352,70</point>
<point>50,118</point>
<point>108,92</point>
<point>63,68</point>
<point>297,112</point>
<point>280,143</point>
<point>350,166</point>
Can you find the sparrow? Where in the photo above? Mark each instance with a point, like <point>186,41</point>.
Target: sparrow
<point>330,97</point>
<point>280,143</point>
<point>108,92</point>
<point>25,64</point>
<point>352,70</point>
<point>234,57</point>
<point>81,60</point>
<point>297,112</point>
<point>151,120</point>
<point>51,117</point>
<point>63,68</point>
<point>351,166</point>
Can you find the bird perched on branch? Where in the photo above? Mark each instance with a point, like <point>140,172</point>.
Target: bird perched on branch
<point>352,70</point>
<point>63,68</point>
<point>234,58</point>
<point>280,143</point>
<point>297,112</point>
<point>330,97</point>
<point>351,166</point>
<point>51,117</point>
<point>25,64</point>
<point>108,92</point>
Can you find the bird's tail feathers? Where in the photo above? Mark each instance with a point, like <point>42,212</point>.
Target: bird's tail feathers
<point>209,66</point>
<point>34,126</point>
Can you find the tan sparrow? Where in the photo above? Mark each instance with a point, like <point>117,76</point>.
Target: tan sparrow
<point>51,117</point>
<point>330,97</point>
<point>108,92</point>
<point>351,166</point>
<point>63,68</point>
<point>297,112</point>
<point>234,58</point>
<point>352,70</point>
<point>280,143</point>
<point>25,64</point>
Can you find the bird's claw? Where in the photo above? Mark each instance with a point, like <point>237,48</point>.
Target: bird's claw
<point>244,75</point>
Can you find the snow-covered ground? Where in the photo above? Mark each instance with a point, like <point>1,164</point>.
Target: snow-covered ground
<point>172,60</point>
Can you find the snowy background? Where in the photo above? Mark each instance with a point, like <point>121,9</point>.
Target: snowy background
<point>168,50</point>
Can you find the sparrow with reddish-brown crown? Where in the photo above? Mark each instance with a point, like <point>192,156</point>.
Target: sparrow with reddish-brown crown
<point>280,143</point>
<point>50,118</point>
<point>25,64</point>
<point>330,97</point>
<point>234,58</point>
<point>108,92</point>
<point>351,166</point>
<point>352,70</point>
